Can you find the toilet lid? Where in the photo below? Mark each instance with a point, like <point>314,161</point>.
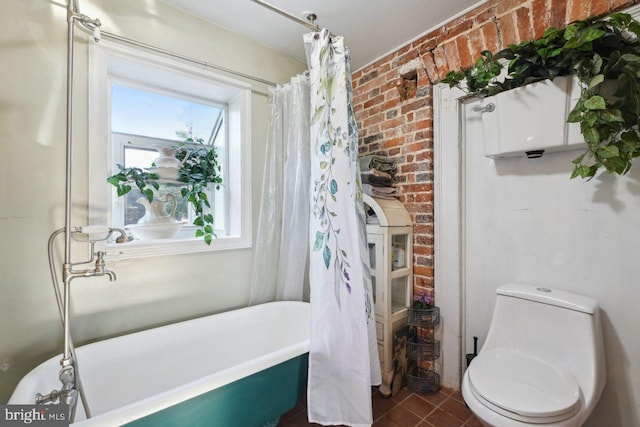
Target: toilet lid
<point>523,386</point>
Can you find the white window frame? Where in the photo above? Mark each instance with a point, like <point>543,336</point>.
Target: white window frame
<point>109,60</point>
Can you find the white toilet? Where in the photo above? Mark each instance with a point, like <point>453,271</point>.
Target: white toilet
<point>542,362</point>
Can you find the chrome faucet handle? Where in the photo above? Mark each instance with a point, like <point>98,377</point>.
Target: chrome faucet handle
<point>100,263</point>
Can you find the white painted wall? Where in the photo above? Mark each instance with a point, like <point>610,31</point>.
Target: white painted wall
<point>526,221</point>
<point>148,291</point>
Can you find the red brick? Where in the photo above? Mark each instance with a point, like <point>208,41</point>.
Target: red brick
<point>410,126</point>
<point>413,208</point>
<point>414,167</point>
<point>424,281</point>
<point>451,51</point>
<point>525,27</point>
<point>427,155</point>
<point>598,7</point>
<point>423,271</point>
<point>579,9</point>
<point>371,121</point>
<point>430,66</point>
<point>540,18</point>
<point>421,250</point>
<point>508,30</point>
<point>393,123</point>
<point>557,13</point>
<point>615,4</point>
<point>424,124</point>
<point>464,54</point>
<point>490,36</point>
<point>413,147</point>
<point>417,188</point>
<point>476,44</point>
<point>507,6</point>
<point>456,28</point>
<point>413,105</point>
<point>429,41</point>
<point>485,16</point>
<point>407,57</point>
<point>424,197</point>
<point>440,59</point>
<point>426,241</point>
<point>393,142</point>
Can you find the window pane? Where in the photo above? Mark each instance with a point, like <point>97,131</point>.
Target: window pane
<point>144,113</point>
<point>139,157</point>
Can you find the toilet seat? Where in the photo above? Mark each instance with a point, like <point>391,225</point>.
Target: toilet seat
<point>521,387</point>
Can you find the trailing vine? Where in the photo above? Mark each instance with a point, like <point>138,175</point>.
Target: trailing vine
<point>597,51</point>
<point>332,141</point>
<point>199,170</point>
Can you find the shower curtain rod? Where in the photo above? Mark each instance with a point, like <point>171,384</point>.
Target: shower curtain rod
<point>287,15</point>
<point>187,58</point>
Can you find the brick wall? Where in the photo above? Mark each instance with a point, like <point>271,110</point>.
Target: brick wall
<point>394,106</point>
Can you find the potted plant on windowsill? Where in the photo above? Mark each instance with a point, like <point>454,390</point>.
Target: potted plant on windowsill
<point>199,169</point>
<point>595,50</point>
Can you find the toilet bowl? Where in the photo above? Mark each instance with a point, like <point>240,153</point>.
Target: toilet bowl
<point>542,362</point>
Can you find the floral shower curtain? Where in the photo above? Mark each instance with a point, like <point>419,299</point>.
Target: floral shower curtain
<point>343,360</point>
<point>280,263</point>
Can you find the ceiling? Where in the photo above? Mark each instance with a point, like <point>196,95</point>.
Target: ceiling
<point>371,28</point>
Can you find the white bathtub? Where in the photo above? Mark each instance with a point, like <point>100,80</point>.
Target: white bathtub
<point>187,365</point>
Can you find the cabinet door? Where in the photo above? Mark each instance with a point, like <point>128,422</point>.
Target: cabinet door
<point>376,263</point>
<point>400,294</point>
<point>400,251</point>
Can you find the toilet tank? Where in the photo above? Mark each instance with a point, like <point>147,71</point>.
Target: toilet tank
<point>556,326</point>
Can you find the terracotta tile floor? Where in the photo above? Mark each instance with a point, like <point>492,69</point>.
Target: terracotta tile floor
<point>442,409</point>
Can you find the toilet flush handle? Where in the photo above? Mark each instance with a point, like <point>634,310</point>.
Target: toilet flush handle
<point>489,108</point>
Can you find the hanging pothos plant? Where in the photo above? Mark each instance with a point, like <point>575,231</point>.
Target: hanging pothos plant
<point>199,170</point>
<point>596,50</point>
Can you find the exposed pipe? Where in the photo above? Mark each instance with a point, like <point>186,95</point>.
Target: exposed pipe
<point>68,168</point>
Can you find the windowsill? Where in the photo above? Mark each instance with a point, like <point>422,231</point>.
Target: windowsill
<point>159,247</point>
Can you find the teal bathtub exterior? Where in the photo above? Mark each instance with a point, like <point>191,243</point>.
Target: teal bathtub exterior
<point>253,401</point>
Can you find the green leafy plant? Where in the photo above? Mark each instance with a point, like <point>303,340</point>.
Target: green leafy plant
<point>199,170</point>
<point>595,50</point>
<point>141,178</point>
<point>196,173</point>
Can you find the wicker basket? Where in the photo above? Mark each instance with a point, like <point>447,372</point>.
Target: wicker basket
<point>424,317</point>
<point>418,349</point>
<point>422,381</point>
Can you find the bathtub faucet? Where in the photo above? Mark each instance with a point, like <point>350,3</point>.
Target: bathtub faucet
<point>69,377</point>
<point>67,395</point>
<point>98,269</point>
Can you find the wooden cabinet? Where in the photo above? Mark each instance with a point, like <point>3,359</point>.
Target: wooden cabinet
<point>390,240</point>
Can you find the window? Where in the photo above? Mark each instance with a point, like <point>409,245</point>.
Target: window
<point>140,102</point>
<point>143,122</point>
